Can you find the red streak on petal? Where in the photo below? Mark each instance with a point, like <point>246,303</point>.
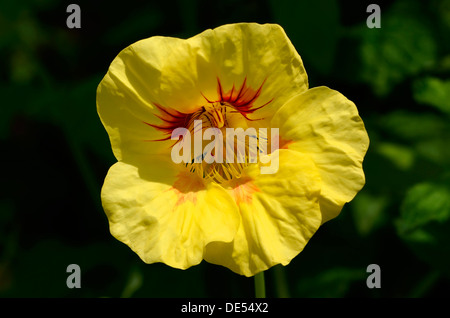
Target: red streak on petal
<point>171,120</point>
<point>243,99</point>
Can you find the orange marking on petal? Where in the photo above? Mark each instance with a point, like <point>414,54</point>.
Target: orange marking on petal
<point>186,187</point>
<point>243,189</point>
<point>284,143</point>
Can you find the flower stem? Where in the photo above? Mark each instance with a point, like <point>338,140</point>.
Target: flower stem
<point>281,283</point>
<point>260,288</point>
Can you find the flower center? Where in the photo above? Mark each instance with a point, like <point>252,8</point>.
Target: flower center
<point>228,152</point>
<point>227,145</point>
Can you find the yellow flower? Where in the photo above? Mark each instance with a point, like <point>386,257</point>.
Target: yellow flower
<point>245,76</point>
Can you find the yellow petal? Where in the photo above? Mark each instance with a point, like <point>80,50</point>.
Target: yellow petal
<point>165,214</point>
<point>182,75</point>
<point>127,95</point>
<point>279,214</point>
<point>326,126</point>
<point>261,55</point>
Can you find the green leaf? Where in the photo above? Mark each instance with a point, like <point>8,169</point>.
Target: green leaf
<point>434,92</point>
<point>427,136</point>
<point>424,223</point>
<point>368,212</point>
<point>402,157</point>
<point>424,203</point>
<point>436,150</point>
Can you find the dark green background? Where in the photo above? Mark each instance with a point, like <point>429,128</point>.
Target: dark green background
<point>55,152</point>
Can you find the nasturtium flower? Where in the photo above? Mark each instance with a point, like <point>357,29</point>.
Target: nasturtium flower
<point>245,76</point>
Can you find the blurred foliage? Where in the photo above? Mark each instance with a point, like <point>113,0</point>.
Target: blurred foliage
<point>55,152</point>
<point>434,92</point>
<point>405,47</point>
<point>424,222</point>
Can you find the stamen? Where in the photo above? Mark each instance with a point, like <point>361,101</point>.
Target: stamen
<point>214,114</point>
